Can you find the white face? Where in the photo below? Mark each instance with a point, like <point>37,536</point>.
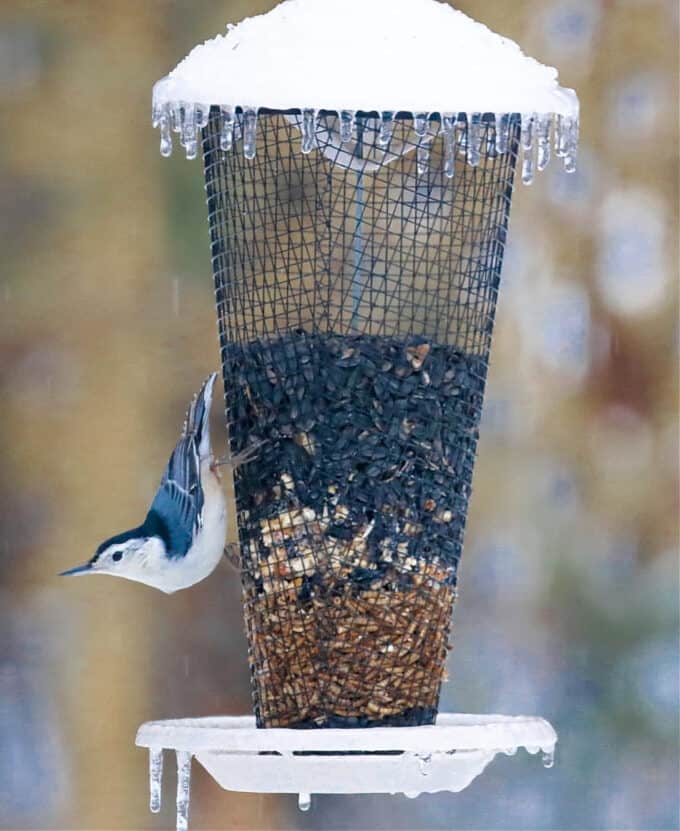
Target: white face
<point>141,559</point>
<point>120,557</point>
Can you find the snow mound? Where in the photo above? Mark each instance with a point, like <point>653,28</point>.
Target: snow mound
<point>372,55</point>
<point>379,58</point>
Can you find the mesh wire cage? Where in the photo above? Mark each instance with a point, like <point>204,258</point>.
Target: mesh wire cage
<point>356,285</point>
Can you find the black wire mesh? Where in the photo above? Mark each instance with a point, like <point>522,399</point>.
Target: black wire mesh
<point>355,291</point>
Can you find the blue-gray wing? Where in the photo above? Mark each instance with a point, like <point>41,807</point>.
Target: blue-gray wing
<point>178,505</point>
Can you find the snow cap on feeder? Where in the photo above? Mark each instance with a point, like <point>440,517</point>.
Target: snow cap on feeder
<point>416,58</point>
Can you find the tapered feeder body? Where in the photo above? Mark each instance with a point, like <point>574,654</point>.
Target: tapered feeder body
<point>356,254</point>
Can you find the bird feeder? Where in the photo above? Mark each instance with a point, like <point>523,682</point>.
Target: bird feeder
<point>359,163</point>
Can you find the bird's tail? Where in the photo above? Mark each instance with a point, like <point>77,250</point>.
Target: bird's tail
<point>197,422</point>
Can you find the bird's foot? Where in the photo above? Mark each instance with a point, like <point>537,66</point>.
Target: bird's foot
<point>233,555</point>
<point>237,459</point>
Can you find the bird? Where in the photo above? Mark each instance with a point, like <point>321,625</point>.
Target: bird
<point>182,539</point>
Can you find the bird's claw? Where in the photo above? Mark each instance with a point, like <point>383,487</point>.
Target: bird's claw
<point>237,459</point>
<point>233,555</point>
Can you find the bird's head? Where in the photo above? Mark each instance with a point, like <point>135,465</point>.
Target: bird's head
<point>132,555</point>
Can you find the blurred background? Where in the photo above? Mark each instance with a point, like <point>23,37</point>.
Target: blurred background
<point>569,583</point>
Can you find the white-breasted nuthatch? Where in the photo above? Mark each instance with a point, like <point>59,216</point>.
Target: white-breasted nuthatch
<point>182,538</point>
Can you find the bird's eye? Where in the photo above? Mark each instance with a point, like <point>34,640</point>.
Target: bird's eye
<point>117,555</point>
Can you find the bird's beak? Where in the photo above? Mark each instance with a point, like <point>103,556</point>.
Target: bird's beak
<point>83,569</point>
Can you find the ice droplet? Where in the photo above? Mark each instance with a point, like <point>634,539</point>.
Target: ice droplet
<point>474,139</point>
<point>183,789</point>
<point>449,128</point>
<point>543,131</point>
<point>304,801</point>
<point>385,134</point>
<point>424,764</point>
<point>155,778</point>
<point>249,132</point>
<point>346,125</point>
<point>548,758</point>
<point>308,130</point>
<point>227,131</point>
<point>502,132</point>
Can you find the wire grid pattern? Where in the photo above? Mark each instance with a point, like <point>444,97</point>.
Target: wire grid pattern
<point>355,297</point>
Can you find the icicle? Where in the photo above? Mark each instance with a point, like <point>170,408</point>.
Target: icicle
<point>189,130</point>
<point>202,115</point>
<point>346,125</point>
<point>474,139</point>
<point>449,127</point>
<point>571,145</point>
<point>249,132</point>
<point>548,758</point>
<point>527,137</point>
<point>304,801</point>
<point>502,132</point>
<point>461,137</point>
<point>183,789</point>
<point>177,117</point>
<point>157,111</point>
<point>411,794</point>
<point>308,130</point>
<point>166,135</point>
<point>491,151</point>
<point>423,157</point>
<point>543,131</point>
<point>155,779</point>
<point>560,137</point>
<point>227,131</point>
<point>420,122</point>
<point>527,142</point>
<point>385,134</point>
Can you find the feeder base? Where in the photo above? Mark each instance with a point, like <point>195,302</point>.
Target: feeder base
<point>446,756</point>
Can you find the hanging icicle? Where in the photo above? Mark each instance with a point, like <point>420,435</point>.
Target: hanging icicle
<point>227,129</point>
<point>346,125</point>
<point>420,124</point>
<point>249,132</point>
<point>473,135</point>
<point>155,779</point>
<point>449,131</point>
<point>308,131</point>
<point>385,134</point>
<point>474,139</point>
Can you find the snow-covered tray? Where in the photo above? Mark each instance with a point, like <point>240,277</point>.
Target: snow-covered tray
<point>447,756</point>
